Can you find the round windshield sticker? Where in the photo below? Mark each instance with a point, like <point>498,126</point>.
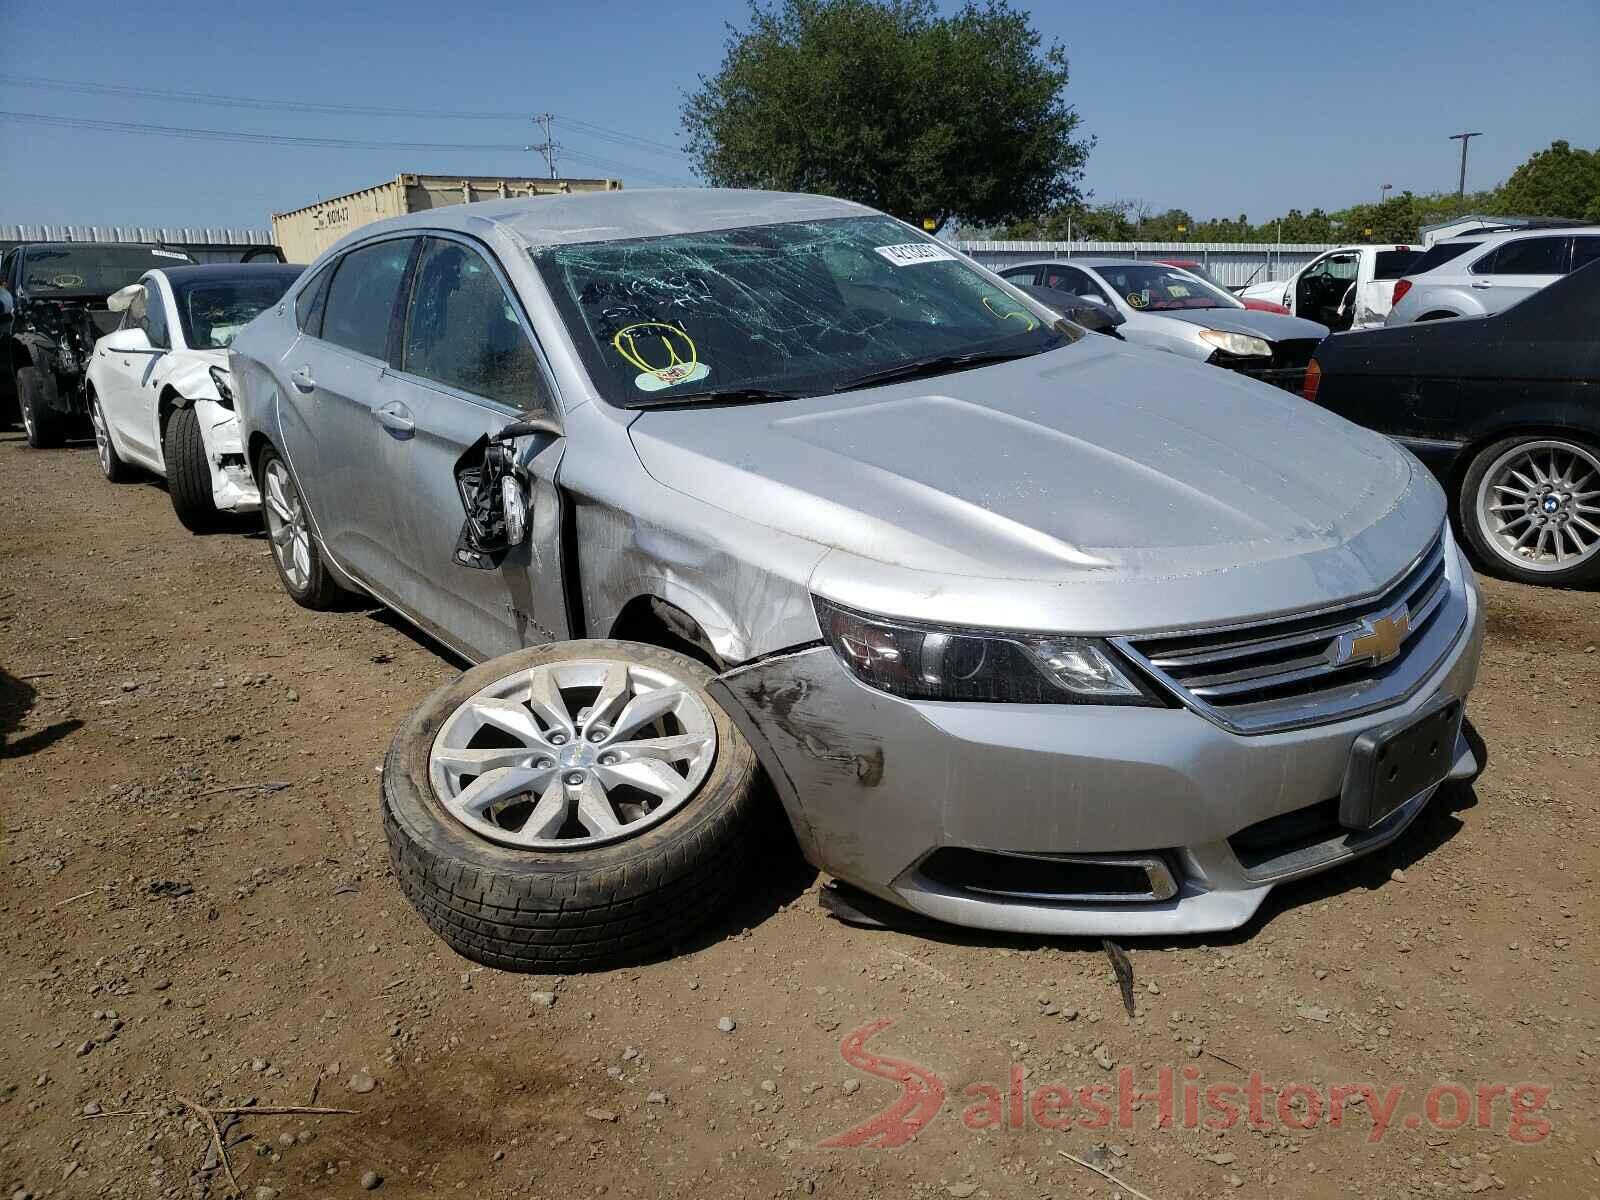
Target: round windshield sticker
<point>66,281</point>
<point>1137,299</point>
<point>664,354</point>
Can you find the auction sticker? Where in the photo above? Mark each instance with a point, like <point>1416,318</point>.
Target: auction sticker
<point>912,253</point>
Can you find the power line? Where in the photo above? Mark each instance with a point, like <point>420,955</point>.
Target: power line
<point>234,135</point>
<point>125,91</point>
<point>191,133</point>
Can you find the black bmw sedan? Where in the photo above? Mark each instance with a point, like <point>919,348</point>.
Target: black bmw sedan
<point>1505,410</point>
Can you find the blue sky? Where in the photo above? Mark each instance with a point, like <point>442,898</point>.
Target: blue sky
<point>1219,107</point>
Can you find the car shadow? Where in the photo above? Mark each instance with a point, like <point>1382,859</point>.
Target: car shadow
<point>1437,824</point>
<point>17,698</point>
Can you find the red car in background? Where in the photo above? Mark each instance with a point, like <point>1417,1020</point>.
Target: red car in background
<point>1194,268</point>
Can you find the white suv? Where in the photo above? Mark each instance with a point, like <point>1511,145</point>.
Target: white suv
<point>1476,275</point>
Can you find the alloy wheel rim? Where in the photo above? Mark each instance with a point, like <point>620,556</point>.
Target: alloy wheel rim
<point>1539,505</point>
<point>287,526</point>
<point>573,754</point>
<point>102,437</point>
<point>27,416</point>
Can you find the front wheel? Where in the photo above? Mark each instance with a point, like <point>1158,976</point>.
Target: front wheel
<point>188,471</point>
<point>45,426</point>
<point>294,551</point>
<point>111,464</point>
<point>572,806</point>
<point>1530,509</point>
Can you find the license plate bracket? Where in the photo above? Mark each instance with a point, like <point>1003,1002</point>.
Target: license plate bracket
<point>1393,762</point>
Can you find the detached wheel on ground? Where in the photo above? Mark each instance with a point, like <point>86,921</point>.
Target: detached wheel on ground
<point>572,806</point>
<point>45,426</point>
<point>1530,510</point>
<point>294,551</point>
<point>111,464</point>
<point>188,472</point>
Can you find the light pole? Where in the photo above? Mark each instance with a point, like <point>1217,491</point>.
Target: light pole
<point>1463,138</point>
<point>1383,192</point>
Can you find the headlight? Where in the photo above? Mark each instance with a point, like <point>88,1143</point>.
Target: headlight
<point>1240,344</point>
<point>928,663</point>
<point>219,376</point>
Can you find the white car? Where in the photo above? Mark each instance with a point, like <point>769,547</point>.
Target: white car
<point>158,389</point>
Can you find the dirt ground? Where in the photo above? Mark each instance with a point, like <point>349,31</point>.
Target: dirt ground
<point>197,903</point>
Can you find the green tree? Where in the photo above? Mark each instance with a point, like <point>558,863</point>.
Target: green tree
<point>1558,182</point>
<point>889,103</point>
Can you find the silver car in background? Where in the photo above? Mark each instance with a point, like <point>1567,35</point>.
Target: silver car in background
<point>725,491</point>
<point>1480,274</point>
<point>1169,308</point>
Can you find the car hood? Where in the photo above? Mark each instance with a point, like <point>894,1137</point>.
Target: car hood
<point>1094,488</point>
<point>1275,327</point>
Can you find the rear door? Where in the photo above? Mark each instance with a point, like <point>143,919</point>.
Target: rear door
<point>1517,269</point>
<point>335,377</point>
<point>468,365</point>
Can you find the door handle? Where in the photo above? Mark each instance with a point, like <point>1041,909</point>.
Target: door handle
<point>1481,284</point>
<point>301,378</point>
<point>396,417</point>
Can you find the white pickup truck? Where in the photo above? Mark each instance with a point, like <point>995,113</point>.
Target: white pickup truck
<point>1348,287</point>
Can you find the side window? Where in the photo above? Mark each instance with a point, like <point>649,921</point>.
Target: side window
<point>1585,250</point>
<point>153,318</point>
<point>1021,275</point>
<point>1070,279</point>
<point>1530,256</point>
<point>8,270</point>
<point>462,330</point>
<point>313,298</point>
<point>362,295</point>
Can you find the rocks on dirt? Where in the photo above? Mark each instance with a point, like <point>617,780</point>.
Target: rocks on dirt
<point>543,999</point>
<point>727,1024</point>
<point>371,1180</point>
<point>361,1083</point>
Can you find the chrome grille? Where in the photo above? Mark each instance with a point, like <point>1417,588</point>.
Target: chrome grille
<point>1314,668</point>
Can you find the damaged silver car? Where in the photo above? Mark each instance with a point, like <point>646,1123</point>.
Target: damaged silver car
<point>733,493</point>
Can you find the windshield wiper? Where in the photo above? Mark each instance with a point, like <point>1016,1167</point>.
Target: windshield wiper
<point>714,396</point>
<point>919,368</point>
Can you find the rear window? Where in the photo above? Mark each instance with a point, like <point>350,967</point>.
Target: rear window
<point>1391,264</point>
<point>1439,254</point>
<point>1531,256</point>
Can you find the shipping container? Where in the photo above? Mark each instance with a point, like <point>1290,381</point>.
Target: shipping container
<point>306,232</point>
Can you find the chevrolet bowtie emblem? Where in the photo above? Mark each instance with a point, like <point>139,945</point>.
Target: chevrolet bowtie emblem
<point>1380,637</point>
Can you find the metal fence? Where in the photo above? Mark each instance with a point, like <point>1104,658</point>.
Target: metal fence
<point>203,245</point>
<point>1233,264</point>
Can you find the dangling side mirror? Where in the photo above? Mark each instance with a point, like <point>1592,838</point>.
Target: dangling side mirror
<point>120,299</point>
<point>494,494</point>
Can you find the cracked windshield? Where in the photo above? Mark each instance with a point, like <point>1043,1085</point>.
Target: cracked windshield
<point>771,312</point>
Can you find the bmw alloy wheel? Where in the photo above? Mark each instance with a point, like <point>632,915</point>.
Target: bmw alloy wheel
<point>1538,505</point>
<point>573,754</point>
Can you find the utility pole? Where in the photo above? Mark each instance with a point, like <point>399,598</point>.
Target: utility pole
<point>549,146</point>
<point>1463,138</point>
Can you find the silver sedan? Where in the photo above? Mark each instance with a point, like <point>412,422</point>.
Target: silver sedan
<point>1168,308</point>
<point>742,499</point>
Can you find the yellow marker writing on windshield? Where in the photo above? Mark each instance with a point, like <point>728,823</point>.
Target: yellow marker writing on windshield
<point>674,343</point>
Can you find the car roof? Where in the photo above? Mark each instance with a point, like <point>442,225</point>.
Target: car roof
<point>214,272</point>
<point>95,245</point>
<point>613,216</point>
<point>1497,236</point>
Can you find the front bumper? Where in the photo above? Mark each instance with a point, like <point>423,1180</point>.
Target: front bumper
<point>233,487</point>
<point>875,786</point>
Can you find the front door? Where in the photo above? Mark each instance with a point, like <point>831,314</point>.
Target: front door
<point>1321,289</point>
<point>335,388</point>
<point>467,366</point>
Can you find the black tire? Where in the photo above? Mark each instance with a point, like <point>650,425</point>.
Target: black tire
<point>46,426</point>
<point>111,464</point>
<point>624,902</point>
<point>188,472</point>
<point>1582,574</point>
<point>320,590</point>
